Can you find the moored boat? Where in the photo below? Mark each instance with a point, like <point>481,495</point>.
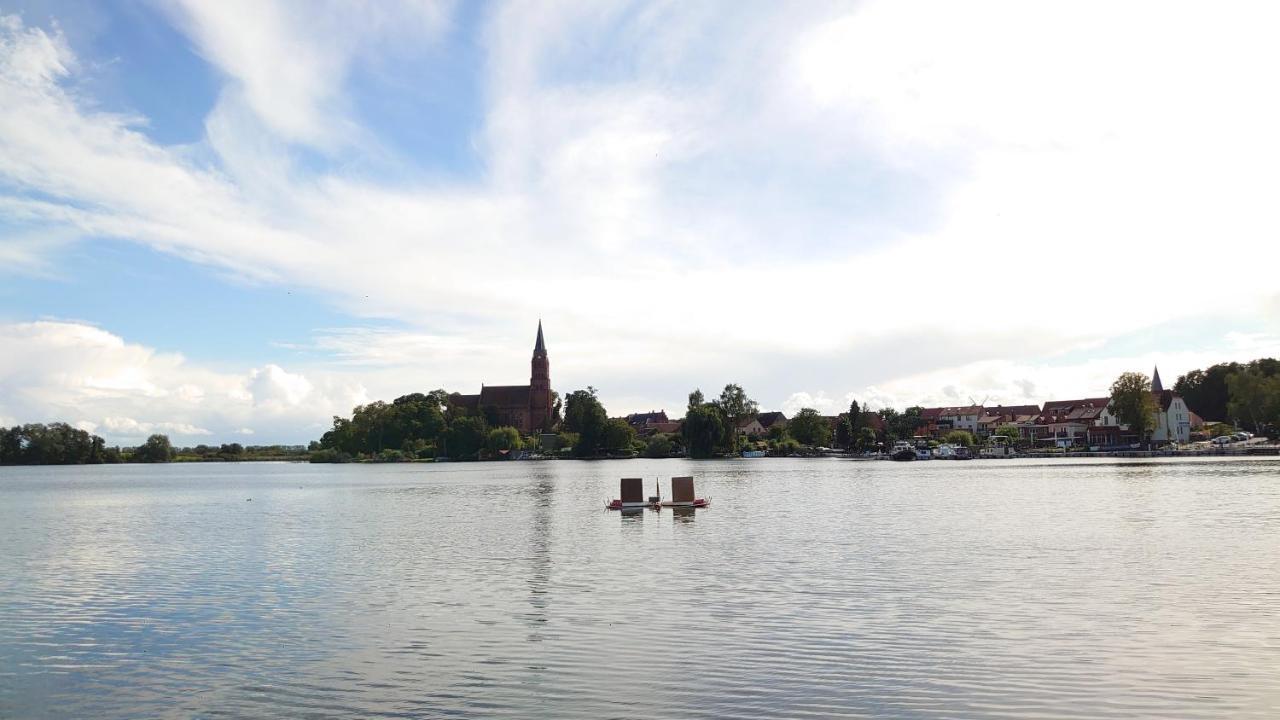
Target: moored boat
<point>902,451</point>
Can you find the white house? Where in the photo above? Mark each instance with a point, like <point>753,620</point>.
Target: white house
<point>962,418</point>
<point>1173,417</point>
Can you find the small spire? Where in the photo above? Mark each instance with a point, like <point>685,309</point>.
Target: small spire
<point>1156,385</point>
<point>540,345</point>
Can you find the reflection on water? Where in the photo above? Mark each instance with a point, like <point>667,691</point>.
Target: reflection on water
<point>812,587</point>
<point>684,514</point>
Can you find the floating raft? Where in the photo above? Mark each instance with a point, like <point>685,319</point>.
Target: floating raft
<point>682,494</point>
<point>632,492</point>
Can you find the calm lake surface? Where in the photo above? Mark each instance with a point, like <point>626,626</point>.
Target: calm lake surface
<point>820,588</point>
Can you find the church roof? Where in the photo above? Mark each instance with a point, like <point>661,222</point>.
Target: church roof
<point>1156,385</point>
<point>505,396</point>
<point>468,402</point>
<point>540,346</point>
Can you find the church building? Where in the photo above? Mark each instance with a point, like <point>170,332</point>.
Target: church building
<point>526,408</point>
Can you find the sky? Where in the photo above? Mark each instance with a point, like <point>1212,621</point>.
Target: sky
<point>232,220</point>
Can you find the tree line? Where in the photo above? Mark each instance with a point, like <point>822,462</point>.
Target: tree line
<point>421,425</point>
<point>712,427</point>
<point>1246,395</point>
<point>63,444</point>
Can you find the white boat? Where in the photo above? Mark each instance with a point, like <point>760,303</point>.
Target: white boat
<point>922,451</point>
<point>752,453</point>
<point>945,451</point>
<point>902,450</point>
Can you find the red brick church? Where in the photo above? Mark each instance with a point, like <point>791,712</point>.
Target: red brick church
<point>526,408</point>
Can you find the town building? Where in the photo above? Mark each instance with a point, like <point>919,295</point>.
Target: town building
<point>760,425</point>
<point>994,418</point>
<point>527,408</point>
<point>937,422</point>
<point>640,420</point>
<point>768,419</point>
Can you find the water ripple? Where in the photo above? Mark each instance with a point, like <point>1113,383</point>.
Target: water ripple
<point>812,588</point>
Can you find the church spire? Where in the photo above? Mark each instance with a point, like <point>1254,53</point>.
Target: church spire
<point>540,346</point>
<point>1156,385</point>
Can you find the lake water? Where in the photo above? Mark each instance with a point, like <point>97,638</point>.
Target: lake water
<point>810,588</point>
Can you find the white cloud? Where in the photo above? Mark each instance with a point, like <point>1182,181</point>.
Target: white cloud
<point>820,402</point>
<point>128,427</point>
<point>686,194</point>
<point>60,371</point>
<point>288,59</point>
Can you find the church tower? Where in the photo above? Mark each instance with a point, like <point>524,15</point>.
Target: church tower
<point>540,386</point>
<point>1157,387</point>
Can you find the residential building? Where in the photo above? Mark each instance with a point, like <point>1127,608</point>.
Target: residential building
<point>639,420</point>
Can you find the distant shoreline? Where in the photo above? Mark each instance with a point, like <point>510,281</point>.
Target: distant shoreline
<point>1262,450</point>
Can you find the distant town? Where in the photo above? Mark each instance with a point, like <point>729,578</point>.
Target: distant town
<point>1205,410</point>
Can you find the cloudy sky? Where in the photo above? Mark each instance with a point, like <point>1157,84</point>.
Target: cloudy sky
<point>231,220</point>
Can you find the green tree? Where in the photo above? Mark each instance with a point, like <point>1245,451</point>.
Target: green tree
<point>501,441</point>
<point>1205,391</point>
<point>1133,404</point>
<point>844,433</point>
<point>959,437</point>
<point>53,444</point>
<point>810,428</point>
<point>856,420</point>
<point>785,447</point>
<point>736,406</point>
<point>695,399</point>
<point>889,418</point>
<point>417,417</point>
<point>704,428</point>
<point>777,431</point>
<point>850,426</point>
<point>902,425</point>
<point>157,449</point>
<point>659,446</point>
<point>618,436</point>
<point>465,438</point>
<point>865,439</point>
<point>557,407</point>
<point>1254,400</point>
<point>566,441</point>
<point>1010,431</point>
<point>583,414</point>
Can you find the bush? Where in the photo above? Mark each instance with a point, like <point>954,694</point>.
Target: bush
<point>502,441</point>
<point>329,455</point>
<point>157,449</point>
<point>659,446</point>
<point>786,447</point>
